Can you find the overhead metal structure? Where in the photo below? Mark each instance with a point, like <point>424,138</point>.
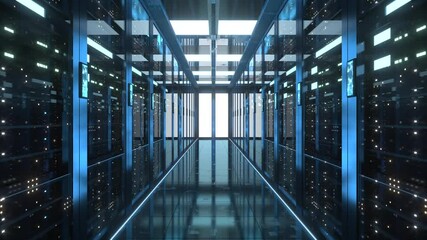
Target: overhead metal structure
<point>157,12</point>
<point>269,12</point>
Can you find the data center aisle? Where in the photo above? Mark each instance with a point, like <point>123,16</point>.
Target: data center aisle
<point>190,205</point>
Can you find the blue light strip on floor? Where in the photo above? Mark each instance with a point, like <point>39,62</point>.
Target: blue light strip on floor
<point>151,192</point>
<point>275,193</point>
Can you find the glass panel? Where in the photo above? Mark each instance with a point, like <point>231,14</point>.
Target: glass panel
<point>286,96</point>
<point>105,198</point>
<point>221,115</point>
<point>159,62</point>
<point>269,114</point>
<point>106,71</point>
<point>256,205</point>
<point>323,192</point>
<point>391,64</point>
<point>205,115</point>
<point>258,65</point>
<point>322,27</point>
<point>140,171</point>
<point>140,67</point>
<point>106,53</point>
<point>157,113</point>
<point>176,126</point>
<point>140,111</point>
<point>270,51</point>
<point>169,128</point>
<point>166,214</point>
<point>35,120</point>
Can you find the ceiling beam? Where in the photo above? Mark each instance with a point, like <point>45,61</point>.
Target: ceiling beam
<point>220,88</point>
<point>157,13</point>
<point>268,14</point>
<point>213,16</point>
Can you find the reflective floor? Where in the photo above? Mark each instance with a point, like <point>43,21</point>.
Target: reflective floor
<point>195,202</point>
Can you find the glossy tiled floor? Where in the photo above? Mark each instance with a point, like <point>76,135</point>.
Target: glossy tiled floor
<point>190,206</point>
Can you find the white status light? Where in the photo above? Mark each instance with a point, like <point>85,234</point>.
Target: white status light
<point>41,65</point>
<point>382,62</point>
<point>382,36</point>
<point>421,28</point>
<point>314,70</point>
<point>42,44</point>
<point>136,71</point>
<point>393,6</point>
<point>9,55</point>
<point>328,47</point>
<point>9,30</point>
<point>290,71</point>
<point>32,6</point>
<point>100,48</point>
<point>420,54</point>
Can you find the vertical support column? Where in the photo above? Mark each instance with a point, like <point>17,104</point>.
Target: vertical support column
<point>184,113</point>
<point>349,123</point>
<point>264,108</point>
<point>163,111</point>
<point>79,124</point>
<point>151,105</point>
<point>213,138</point>
<point>173,110</point>
<point>109,104</point>
<point>299,118</point>
<point>187,116</point>
<point>246,115</point>
<point>151,119</point>
<point>263,121</point>
<point>254,115</point>
<point>230,135</point>
<point>196,135</point>
<point>179,115</point>
<point>127,130</point>
<point>213,74</point>
<point>276,120</point>
<point>163,130</point>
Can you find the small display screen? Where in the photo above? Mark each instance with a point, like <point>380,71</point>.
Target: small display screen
<point>350,78</point>
<point>84,81</point>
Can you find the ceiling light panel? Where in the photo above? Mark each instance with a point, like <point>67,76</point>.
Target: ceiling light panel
<point>228,57</point>
<point>236,27</point>
<point>198,57</point>
<point>190,27</point>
